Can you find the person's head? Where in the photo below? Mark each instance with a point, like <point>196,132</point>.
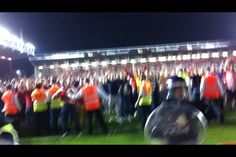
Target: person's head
<point>185,69</point>
<point>38,86</point>
<point>87,81</point>
<point>177,88</point>
<point>21,88</point>
<point>143,77</point>
<point>76,84</point>
<point>9,87</point>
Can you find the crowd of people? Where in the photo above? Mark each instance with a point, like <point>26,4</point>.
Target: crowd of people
<point>57,104</point>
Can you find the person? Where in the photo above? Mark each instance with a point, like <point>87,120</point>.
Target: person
<point>183,74</point>
<point>22,101</point>
<point>124,100</point>
<point>90,96</point>
<point>144,99</point>
<point>155,91</point>
<point>68,110</point>
<point>211,90</point>
<point>177,89</point>
<point>29,106</point>
<point>162,85</point>
<point>230,82</point>
<point>40,108</point>
<point>168,127</point>
<point>113,88</point>
<point>55,106</point>
<point>11,107</point>
<point>195,81</point>
<point>6,128</point>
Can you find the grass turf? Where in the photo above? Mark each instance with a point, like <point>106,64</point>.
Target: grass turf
<point>130,133</point>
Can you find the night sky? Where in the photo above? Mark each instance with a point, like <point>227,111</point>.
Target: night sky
<point>75,31</point>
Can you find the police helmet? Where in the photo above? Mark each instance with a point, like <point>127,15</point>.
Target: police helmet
<point>173,83</point>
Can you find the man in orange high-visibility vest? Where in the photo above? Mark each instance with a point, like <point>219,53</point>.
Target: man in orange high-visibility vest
<point>40,108</point>
<point>12,106</point>
<point>211,90</point>
<point>90,96</point>
<point>55,106</point>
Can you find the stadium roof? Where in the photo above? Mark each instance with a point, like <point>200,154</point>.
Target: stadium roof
<point>159,48</point>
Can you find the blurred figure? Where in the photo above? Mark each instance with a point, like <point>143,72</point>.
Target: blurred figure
<point>195,81</point>
<point>162,85</point>
<point>124,100</point>
<point>144,99</point>
<point>177,89</point>
<point>29,106</point>
<point>230,82</point>
<point>40,108</point>
<point>90,96</point>
<point>155,91</point>
<point>68,110</point>
<point>183,74</point>
<point>6,128</point>
<point>11,107</point>
<point>113,86</point>
<point>22,101</point>
<point>211,90</point>
<point>55,106</point>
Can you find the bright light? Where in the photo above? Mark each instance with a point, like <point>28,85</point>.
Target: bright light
<point>74,65</point>
<point>4,33</point>
<point>85,65</point>
<point>198,56</point>
<point>9,40</point>
<point>18,72</point>
<point>205,55</point>
<point>152,59</point>
<point>140,51</point>
<point>30,46</point>
<point>143,60</point>
<point>124,61</point>
<point>209,46</point>
<point>186,57</point>
<point>162,59</point>
<point>40,75</point>
<point>234,53</point>
<point>225,54</point>
<point>114,62</point>
<point>94,64</point>
<point>9,58</point>
<point>104,63</point>
<point>51,66</point>
<point>173,58</point>
<point>3,57</point>
<point>64,66</point>
<point>194,56</point>
<point>189,47</point>
<point>179,57</point>
<point>133,61</point>
<point>215,55</point>
<point>169,58</point>
<point>40,67</point>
